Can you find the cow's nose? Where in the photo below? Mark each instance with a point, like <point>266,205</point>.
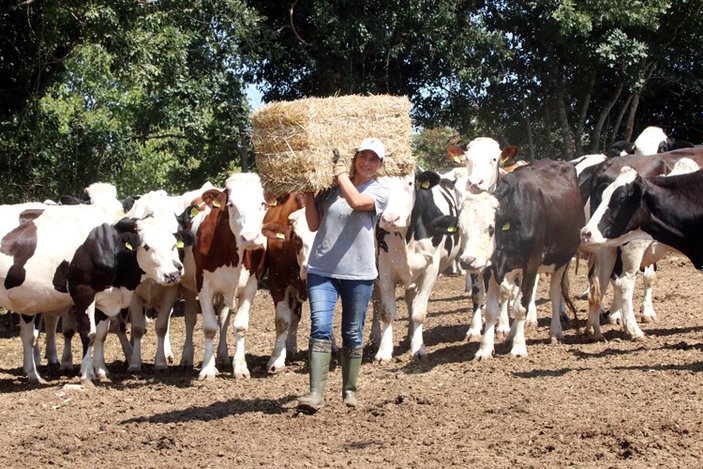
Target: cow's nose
<point>178,266</point>
<point>173,277</point>
<point>391,219</point>
<point>586,235</point>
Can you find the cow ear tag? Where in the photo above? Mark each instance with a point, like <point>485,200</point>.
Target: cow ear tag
<point>216,204</point>
<point>194,211</point>
<point>273,203</point>
<point>129,246</point>
<point>505,227</point>
<point>280,236</point>
<point>425,185</point>
<point>451,229</point>
<point>180,244</point>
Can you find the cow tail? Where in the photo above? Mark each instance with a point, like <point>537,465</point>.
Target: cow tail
<point>594,293</point>
<point>567,297</point>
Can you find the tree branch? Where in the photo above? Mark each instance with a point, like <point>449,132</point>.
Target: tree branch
<point>292,26</point>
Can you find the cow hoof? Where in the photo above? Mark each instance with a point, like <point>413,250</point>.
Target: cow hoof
<point>482,356</point>
<point>473,337</point>
<point>36,379</point>
<point>518,353</point>
<point>649,319</point>
<point>160,369</point>
<point>275,367</point>
<point>87,383</point>
<point>170,359</point>
<point>556,340</point>
<point>591,337</point>
<point>134,369</point>
<point>242,374</point>
<point>207,376</point>
<point>640,338</point>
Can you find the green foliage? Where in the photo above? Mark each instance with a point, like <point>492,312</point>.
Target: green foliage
<point>430,145</point>
<point>151,96</point>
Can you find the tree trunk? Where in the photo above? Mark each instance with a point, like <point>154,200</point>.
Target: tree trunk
<point>644,76</point>
<point>618,120</point>
<point>567,149</point>
<point>584,113</point>
<point>595,139</point>
<point>528,129</point>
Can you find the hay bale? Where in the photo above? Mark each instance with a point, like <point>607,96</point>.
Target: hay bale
<point>293,141</point>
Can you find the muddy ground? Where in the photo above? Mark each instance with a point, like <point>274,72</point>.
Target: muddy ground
<point>610,404</point>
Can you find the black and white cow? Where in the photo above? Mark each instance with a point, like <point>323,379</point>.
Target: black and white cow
<point>78,255</point>
<point>666,209</point>
<point>417,239</point>
<point>606,257</point>
<point>530,224</point>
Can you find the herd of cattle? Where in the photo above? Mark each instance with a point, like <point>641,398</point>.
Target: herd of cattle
<point>90,263</point>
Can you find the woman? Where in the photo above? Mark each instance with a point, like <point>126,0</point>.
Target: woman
<point>342,264</point>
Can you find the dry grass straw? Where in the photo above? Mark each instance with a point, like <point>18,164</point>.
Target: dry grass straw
<point>293,141</point>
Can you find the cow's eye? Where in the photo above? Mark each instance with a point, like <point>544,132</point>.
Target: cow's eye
<point>146,247</point>
<point>491,230</point>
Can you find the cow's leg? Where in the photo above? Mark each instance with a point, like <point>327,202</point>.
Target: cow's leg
<point>478,294</point>
<point>241,326</point>
<point>223,318</point>
<point>138,327</point>
<point>557,299</point>
<point>508,291</point>
<point>50,323</point>
<point>531,319</point>
<point>29,335</point>
<point>283,320</point>
<point>85,318</point>
<point>292,339</point>
<point>631,259</point>
<point>527,287</point>
<point>121,330</point>
<point>68,329</point>
<point>386,289</point>
<point>376,308</point>
<point>598,279</point>
<point>164,307</point>
<point>208,369</point>
<point>190,316</point>
<point>419,310</point>
<point>485,351</point>
<point>649,276</point>
<point>102,327</point>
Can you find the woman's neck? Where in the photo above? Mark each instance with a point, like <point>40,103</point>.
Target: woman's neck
<point>358,180</point>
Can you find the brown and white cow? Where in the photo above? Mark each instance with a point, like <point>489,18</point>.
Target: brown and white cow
<point>232,227</point>
<point>530,225</point>
<point>288,251</point>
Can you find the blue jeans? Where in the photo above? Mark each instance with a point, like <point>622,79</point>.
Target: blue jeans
<point>323,293</point>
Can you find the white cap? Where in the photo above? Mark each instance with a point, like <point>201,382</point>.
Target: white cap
<point>373,144</point>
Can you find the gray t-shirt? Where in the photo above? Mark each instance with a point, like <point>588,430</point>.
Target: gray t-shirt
<point>344,243</point>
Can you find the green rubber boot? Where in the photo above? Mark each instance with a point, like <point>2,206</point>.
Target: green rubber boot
<point>319,353</point>
<point>351,363</point>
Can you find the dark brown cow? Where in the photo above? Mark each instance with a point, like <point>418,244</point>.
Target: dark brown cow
<point>287,253</point>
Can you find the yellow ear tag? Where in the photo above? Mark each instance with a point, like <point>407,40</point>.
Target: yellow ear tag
<point>273,204</point>
<point>194,211</point>
<point>425,185</point>
<point>215,204</point>
<point>180,245</point>
<point>129,246</point>
<point>451,229</point>
<point>280,236</point>
<point>505,227</point>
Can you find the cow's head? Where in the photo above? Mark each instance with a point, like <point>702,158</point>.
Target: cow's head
<point>401,197</point>
<point>649,141</point>
<point>246,206</point>
<point>156,248</point>
<point>619,212</point>
<point>483,157</point>
<point>477,225</point>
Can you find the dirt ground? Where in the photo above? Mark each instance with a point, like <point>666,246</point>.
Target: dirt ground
<point>580,404</point>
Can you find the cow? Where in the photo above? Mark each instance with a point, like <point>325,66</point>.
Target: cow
<point>417,238</point>
<point>529,224</point>
<point>606,257</point>
<point>78,255</point>
<point>287,254</point>
<point>652,140</point>
<point>666,209</point>
<point>176,212</point>
<point>225,235</point>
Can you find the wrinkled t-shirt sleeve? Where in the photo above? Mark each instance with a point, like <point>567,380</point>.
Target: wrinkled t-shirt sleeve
<point>379,193</point>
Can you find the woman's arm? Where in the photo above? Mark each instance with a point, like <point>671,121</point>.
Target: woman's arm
<point>312,214</point>
<point>355,199</point>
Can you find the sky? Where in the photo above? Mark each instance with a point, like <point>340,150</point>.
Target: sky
<point>254,97</point>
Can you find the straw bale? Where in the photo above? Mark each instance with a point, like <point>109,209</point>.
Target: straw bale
<point>293,141</point>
